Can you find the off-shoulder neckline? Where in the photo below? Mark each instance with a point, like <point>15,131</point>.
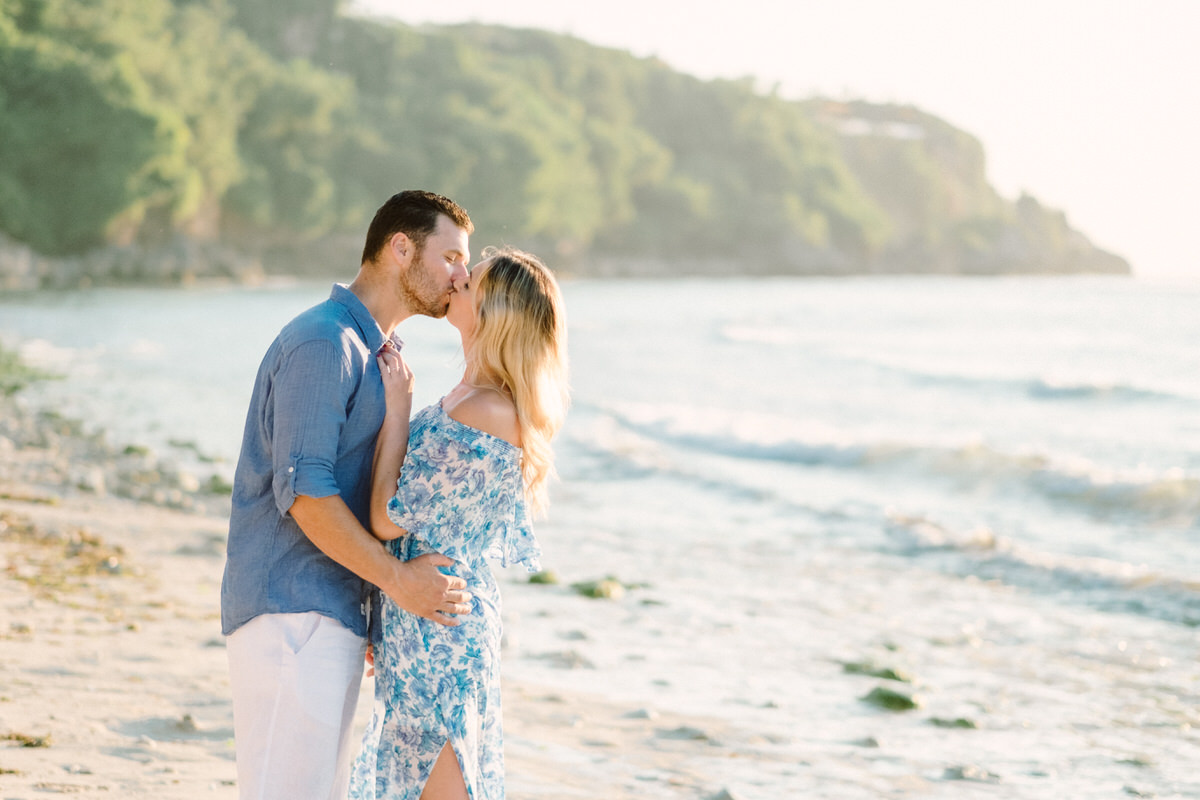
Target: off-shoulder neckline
<point>471,429</point>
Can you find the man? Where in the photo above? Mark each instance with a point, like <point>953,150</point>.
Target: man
<point>295,599</point>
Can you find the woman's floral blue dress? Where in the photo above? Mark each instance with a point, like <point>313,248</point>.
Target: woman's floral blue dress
<point>460,494</point>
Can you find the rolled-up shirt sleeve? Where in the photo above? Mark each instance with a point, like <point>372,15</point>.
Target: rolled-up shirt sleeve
<point>310,394</point>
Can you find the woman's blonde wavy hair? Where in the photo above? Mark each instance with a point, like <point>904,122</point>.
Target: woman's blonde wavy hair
<point>520,341</point>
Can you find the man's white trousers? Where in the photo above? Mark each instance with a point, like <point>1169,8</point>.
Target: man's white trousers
<point>295,681</point>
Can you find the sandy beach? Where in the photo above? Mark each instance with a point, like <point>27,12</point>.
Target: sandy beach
<point>113,674</point>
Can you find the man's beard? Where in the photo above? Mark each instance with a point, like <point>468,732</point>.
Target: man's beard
<point>420,291</point>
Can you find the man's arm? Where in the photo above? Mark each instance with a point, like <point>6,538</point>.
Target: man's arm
<point>417,586</point>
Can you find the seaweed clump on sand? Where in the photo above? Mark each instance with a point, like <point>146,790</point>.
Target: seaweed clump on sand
<point>15,374</point>
<point>890,699</point>
<point>50,562</point>
<point>27,740</point>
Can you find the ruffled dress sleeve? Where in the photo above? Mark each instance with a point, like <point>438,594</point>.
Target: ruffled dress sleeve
<point>461,494</point>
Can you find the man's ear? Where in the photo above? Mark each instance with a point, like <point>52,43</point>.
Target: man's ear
<point>401,246</point>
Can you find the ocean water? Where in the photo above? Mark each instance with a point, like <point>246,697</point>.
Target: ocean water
<point>991,486</point>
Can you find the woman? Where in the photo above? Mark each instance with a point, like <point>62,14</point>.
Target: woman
<point>475,467</point>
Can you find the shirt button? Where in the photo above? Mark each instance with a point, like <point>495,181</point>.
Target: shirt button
<point>291,469</point>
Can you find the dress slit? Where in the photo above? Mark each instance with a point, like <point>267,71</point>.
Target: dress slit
<point>457,762</point>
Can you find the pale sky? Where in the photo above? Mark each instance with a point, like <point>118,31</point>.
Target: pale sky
<point>1092,106</point>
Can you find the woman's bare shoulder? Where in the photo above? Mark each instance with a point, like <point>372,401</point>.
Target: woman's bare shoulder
<point>490,412</point>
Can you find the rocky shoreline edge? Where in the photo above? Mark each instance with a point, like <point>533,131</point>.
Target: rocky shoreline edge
<point>178,262</point>
<point>186,262</point>
<point>49,458</point>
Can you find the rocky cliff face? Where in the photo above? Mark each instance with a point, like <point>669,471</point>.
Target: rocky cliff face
<point>929,179</point>
<point>179,262</point>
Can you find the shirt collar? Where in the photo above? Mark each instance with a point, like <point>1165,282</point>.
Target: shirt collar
<point>368,328</point>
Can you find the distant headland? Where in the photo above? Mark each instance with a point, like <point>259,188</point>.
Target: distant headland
<point>260,139</point>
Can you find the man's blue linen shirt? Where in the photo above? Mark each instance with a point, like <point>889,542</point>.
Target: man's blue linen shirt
<point>314,416</point>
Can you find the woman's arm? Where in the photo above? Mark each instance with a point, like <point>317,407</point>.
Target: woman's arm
<point>392,444</point>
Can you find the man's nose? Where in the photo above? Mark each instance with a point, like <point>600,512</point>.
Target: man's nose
<point>459,272</point>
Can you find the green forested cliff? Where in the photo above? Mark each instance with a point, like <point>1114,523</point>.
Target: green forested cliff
<point>276,127</point>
